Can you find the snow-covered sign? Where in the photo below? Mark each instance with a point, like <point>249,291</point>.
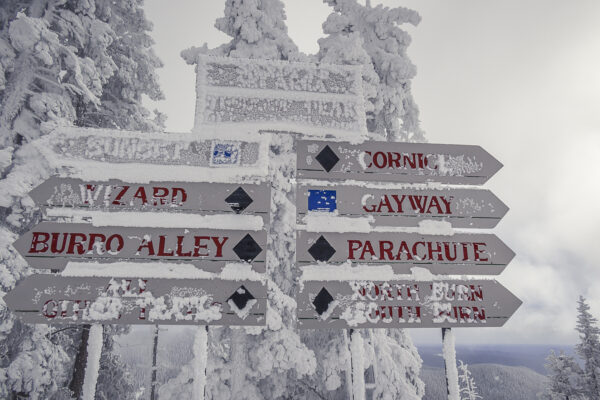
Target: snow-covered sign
<point>52,245</point>
<point>404,304</point>
<point>401,206</point>
<point>114,195</point>
<point>479,254</point>
<point>395,162</point>
<point>102,154</point>
<point>84,300</point>
<point>318,99</point>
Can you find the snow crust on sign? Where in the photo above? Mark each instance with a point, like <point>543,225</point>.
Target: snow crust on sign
<point>317,221</point>
<point>94,351</point>
<point>161,219</point>
<point>230,272</point>
<point>315,99</point>
<point>102,155</point>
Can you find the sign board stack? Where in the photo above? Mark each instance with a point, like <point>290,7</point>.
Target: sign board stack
<point>332,213</point>
<point>145,251</point>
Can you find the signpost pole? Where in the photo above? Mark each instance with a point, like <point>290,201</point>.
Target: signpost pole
<point>153,383</point>
<point>76,384</point>
<point>238,360</point>
<point>200,357</point>
<point>449,353</point>
<point>357,363</point>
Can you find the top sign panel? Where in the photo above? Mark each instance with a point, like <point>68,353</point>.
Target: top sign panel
<point>315,99</point>
<point>395,162</point>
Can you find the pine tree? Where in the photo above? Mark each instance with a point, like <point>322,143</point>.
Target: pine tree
<point>468,388</point>
<point>589,349</point>
<point>58,65</point>
<point>565,378</point>
<point>393,114</point>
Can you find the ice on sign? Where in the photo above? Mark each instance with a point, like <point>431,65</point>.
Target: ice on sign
<point>322,200</point>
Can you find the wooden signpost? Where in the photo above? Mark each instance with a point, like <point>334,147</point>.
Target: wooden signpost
<point>84,300</point>
<point>407,206</point>
<point>404,304</point>
<point>395,162</point>
<point>191,197</point>
<point>52,245</point>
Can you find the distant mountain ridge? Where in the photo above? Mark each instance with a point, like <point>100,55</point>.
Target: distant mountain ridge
<point>494,382</point>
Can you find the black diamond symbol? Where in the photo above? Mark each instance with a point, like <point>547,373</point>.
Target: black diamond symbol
<point>322,301</point>
<point>238,200</point>
<point>327,158</point>
<point>247,249</point>
<point>241,297</point>
<point>321,250</point>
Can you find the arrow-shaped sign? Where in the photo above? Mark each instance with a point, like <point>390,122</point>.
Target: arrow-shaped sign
<point>51,245</point>
<point>479,254</point>
<point>206,198</point>
<point>404,304</point>
<point>395,162</point>
<point>56,299</point>
<point>463,208</point>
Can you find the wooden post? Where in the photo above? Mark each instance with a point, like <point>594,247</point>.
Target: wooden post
<point>153,383</point>
<point>238,361</point>
<point>358,365</point>
<point>346,333</point>
<point>200,361</point>
<point>449,353</point>
<point>76,384</point>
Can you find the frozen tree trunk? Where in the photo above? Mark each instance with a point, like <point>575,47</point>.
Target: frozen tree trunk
<point>76,384</point>
<point>238,360</point>
<point>94,351</point>
<point>449,352</point>
<point>357,352</point>
<point>153,378</point>
<point>200,358</point>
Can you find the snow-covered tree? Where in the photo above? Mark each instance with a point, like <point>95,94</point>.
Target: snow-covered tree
<point>58,60</point>
<point>589,349</point>
<point>565,378</point>
<point>393,114</point>
<point>468,388</point>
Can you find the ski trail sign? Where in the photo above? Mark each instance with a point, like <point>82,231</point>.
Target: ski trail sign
<point>302,97</point>
<point>404,304</point>
<point>395,162</point>
<point>462,208</point>
<point>83,300</point>
<point>52,245</point>
<point>479,254</point>
<point>115,195</point>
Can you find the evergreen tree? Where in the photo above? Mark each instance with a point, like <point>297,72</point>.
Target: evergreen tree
<point>589,349</point>
<point>393,114</point>
<point>468,388</point>
<point>565,375</point>
<point>58,66</point>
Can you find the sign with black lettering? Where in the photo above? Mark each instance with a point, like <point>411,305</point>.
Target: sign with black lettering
<point>114,195</point>
<point>463,208</point>
<point>479,254</point>
<point>395,162</point>
<point>55,299</point>
<point>404,304</point>
<point>51,245</point>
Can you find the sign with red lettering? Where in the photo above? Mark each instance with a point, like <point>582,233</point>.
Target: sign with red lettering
<point>463,208</point>
<point>480,254</point>
<point>55,299</point>
<point>51,245</point>
<point>113,195</point>
<point>404,304</point>
<point>395,162</point>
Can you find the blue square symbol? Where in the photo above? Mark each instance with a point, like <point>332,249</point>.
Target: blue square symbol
<point>322,200</point>
<point>225,154</point>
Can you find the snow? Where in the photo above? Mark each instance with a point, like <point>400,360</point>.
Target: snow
<point>358,365</point>
<point>449,353</point>
<point>200,350</point>
<point>94,351</point>
<point>161,219</point>
<point>121,269</point>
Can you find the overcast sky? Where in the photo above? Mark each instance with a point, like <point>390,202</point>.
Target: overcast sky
<point>521,79</point>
